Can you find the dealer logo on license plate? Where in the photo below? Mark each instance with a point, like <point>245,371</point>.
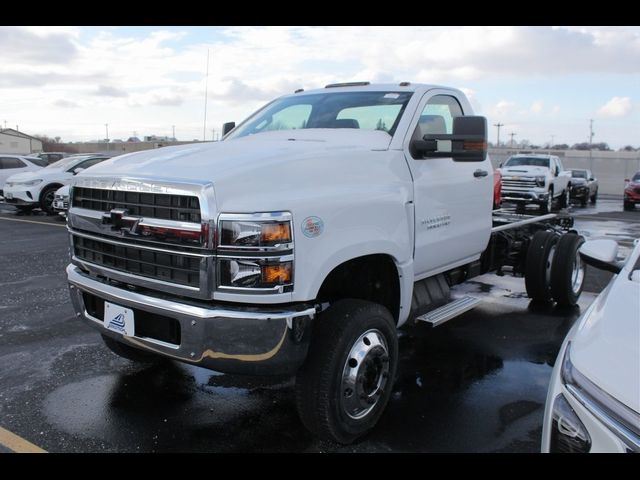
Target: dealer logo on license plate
<point>119,319</point>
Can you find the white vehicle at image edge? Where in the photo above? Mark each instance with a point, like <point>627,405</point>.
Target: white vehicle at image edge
<point>37,188</point>
<point>303,240</point>
<point>535,178</point>
<point>13,164</point>
<point>593,404</point>
<point>61,200</point>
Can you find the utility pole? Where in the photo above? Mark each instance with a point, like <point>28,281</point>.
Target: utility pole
<point>512,135</point>
<point>5,124</point>
<point>498,125</point>
<point>551,144</point>
<point>213,134</point>
<point>174,132</point>
<point>206,88</point>
<point>591,134</point>
<point>106,126</point>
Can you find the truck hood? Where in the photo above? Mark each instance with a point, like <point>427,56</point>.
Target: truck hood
<point>244,155</point>
<point>525,170</point>
<point>605,346</point>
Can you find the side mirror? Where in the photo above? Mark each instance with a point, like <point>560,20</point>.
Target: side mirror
<point>500,166</point>
<point>592,179</point>
<point>227,127</point>
<point>468,143</point>
<point>601,254</point>
<point>557,171</point>
<point>77,170</point>
<point>626,180</point>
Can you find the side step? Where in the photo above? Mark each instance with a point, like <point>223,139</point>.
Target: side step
<point>450,310</point>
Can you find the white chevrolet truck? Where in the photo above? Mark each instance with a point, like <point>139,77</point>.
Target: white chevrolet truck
<point>301,242</point>
<point>536,178</point>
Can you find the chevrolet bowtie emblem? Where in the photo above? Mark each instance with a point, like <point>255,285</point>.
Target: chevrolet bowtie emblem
<point>119,220</point>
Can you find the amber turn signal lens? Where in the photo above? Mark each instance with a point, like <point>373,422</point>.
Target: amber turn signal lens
<point>277,274</point>
<point>276,233</point>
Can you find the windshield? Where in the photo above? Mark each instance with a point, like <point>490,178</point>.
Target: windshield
<point>40,162</point>
<point>578,174</point>
<point>533,161</point>
<point>362,110</point>
<point>636,177</point>
<point>66,162</point>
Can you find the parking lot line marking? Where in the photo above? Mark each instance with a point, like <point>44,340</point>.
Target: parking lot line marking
<point>18,444</point>
<point>32,221</point>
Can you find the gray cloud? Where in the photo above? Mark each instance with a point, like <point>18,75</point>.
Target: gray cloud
<point>19,45</point>
<point>65,103</point>
<point>167,100</point>
<point>107,91</point>
<point>25,80</point>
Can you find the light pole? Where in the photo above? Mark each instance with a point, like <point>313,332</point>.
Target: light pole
<point>498,125</point>
<point>551,144</point>
<point>512,135</point>
<point>106,126</point>
<point>174,132</point>
<point>591,134</point>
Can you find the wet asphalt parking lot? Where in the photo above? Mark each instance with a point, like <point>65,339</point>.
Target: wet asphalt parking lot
<point>476,384</point>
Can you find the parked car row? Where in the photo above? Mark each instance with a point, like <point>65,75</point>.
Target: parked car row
<point>34,186</point>
<point>541,179</point>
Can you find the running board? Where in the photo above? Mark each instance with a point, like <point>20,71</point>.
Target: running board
<point>450,310</point>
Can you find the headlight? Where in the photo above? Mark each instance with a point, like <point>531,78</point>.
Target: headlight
<point>540,181</point>
<point>30,183</point>
<point>235,233</point>
<point>620,419</point>
<point>255,252</point>
<point>257,274</point>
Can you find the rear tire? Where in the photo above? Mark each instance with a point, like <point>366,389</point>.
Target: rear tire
<point>538,266</point>
<point>130,353</point>
<point>568,271</point>
<point>346,380</point>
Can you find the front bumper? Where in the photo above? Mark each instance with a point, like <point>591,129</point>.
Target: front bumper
<point>243,339</point>
<point>524,196</point>
<point>20,196</point>
<point>579,192</point>
<point>631,196</point>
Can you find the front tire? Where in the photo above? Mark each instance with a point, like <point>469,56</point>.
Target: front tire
<point>346,380</point>
<point>567,271</point>
<point>594,197</point>
<point>46,199</point>
<point>629,205</point>
<point>548,205</point>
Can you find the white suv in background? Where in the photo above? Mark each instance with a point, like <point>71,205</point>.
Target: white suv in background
<point>12,164</point>
<point>37,189</point>
<point>535,178</point>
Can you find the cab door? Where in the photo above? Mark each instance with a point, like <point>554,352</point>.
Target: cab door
<point>453,200</point>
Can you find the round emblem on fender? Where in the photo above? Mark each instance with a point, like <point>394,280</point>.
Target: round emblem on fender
<point>312,226</point>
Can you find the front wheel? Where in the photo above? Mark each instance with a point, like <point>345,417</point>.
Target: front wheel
<point>594,197</point>
<point>564,201</point>
<point>548,205</point>
<point>46,199</point>
<point>345,383</point>
<point>629,205</point>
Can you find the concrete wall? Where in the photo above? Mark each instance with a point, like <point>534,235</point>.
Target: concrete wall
<point>610,168</point>
<point>16,145</point>
<point>124,147</point>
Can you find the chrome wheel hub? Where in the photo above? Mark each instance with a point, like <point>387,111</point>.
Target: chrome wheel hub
<point>365,374</point>
<point>577,275</point>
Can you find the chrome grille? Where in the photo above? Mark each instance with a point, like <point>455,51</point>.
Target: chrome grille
<point>183,208</point>
<point>518,183</point>
<point>166,266</point>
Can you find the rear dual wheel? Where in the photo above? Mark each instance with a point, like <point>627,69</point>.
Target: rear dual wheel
<point>554,270</point>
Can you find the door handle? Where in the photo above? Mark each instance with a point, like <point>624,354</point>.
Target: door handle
<point>480,173</point>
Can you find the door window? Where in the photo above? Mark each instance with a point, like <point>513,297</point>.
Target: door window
<point>8,162</point>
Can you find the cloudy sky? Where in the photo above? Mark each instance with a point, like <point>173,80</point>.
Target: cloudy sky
<point>538,81</point>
